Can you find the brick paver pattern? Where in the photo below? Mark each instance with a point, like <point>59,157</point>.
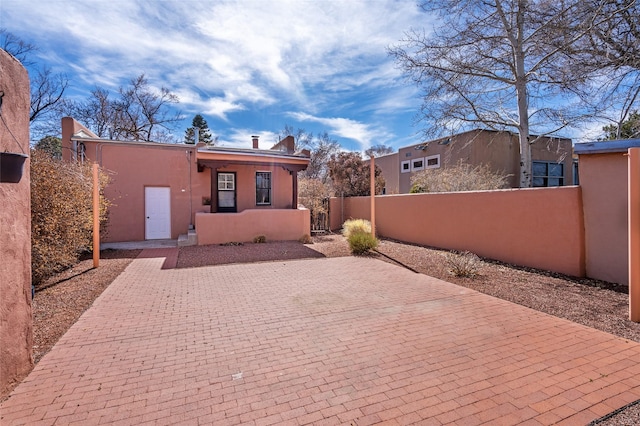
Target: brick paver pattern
<point>325,341</point>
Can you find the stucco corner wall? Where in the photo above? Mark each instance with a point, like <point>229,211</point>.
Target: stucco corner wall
<point>16,335</point>
<point>604,178</point>
<point>274,224</point>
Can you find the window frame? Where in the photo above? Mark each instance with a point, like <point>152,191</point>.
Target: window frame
<point>547,177</point>
<point>269,188</point>
<point>432,157</point>
<point>405,163</point>
<point>418,168</point>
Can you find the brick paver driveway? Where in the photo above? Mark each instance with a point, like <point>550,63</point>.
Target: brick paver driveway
<point>328,341</point>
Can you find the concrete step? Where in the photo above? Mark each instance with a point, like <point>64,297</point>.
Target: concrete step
<point>189,239</point>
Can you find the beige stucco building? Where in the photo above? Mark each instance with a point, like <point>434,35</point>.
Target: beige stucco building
<point>552,159</point>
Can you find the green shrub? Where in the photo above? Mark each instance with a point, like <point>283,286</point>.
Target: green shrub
<point>352,226</point>
<point>361,242</point>
<point>465,264</point>
<point>260,239</point>
<point>61,213</point>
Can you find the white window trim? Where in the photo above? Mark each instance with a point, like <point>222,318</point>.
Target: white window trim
<point>431,157</point>
<point>402,169</point>
<point>417,169</point>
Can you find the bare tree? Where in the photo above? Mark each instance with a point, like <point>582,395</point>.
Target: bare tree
<point>302,138</point>
<point>48,101</point>
<point>20,49</point>
<point>611,51</point>
<point>322,148</point>
<point>137,112</point>
<point>501,64</point>
<point>378,150</point>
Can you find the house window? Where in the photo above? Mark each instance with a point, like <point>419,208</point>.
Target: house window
<point>433,161</point>
<point>405,167</point>
<point>417,164</point>
<point>263,188</point>
<point>226,192</point>
<point>548,173</point>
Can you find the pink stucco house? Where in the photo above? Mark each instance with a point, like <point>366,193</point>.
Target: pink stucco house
<point>195,193</point>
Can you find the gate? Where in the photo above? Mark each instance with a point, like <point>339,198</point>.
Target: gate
<point>320,218</point>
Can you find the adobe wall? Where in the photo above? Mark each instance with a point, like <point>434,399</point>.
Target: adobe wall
<point>604,179</point>
<point>131,168</point>
<point>16,332</point>
<point>285,224</point>
<point>541,227</point>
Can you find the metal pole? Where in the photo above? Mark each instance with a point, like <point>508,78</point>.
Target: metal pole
<point>96,217</point>
<point>634,234</point>
<point>373,198</point>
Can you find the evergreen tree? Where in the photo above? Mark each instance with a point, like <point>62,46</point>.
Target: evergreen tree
<point>628,129</point>
<point>205,133</point>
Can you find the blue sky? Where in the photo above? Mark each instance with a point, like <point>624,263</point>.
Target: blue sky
<point>249,67</point>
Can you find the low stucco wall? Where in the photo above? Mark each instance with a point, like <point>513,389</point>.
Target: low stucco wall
<point>16,335</point>
<point>541,228</point>
<point>284,224</point>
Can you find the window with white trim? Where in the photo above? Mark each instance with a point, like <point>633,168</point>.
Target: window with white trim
<point>432,161</point>
<point>263,188</point>
<point>547,173</point>
<point>405,166</point>
<point>417,164</point>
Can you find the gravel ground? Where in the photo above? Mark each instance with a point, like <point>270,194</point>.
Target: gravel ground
<point>61,300</point>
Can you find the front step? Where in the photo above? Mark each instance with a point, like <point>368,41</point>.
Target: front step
<point>190,239</point>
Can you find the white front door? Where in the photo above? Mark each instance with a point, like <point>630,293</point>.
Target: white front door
<point>157,209</point>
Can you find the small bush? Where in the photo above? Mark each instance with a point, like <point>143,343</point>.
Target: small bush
<point>260,239</point>
<point>306,239</point>
<point>353,226</point>
<point>465,264</point>
<point>361,242</point>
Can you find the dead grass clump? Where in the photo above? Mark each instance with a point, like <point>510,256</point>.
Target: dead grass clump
<point>465,264</point>
<point>354,226</point>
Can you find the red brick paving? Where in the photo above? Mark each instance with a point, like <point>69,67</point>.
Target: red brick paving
<point>325,341</point>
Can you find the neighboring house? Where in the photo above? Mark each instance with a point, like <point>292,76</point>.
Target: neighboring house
<point>552,158</point>
<point>196,193</point>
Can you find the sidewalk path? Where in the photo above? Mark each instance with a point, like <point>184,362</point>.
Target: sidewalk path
<point>325,341</point>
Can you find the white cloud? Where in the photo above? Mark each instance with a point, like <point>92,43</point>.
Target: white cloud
<point>224,57</point>
<point>365,134</point>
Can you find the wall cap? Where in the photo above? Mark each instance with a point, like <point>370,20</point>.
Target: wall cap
<point>605,147</point>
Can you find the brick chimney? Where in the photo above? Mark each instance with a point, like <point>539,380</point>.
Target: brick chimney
<point>255,141</point>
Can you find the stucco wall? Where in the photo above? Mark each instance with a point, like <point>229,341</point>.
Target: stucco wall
<point>604,180</point>
<point>133,167</point>
<point>16,335</point>
<point>287,224</point>
<point>541,227</point>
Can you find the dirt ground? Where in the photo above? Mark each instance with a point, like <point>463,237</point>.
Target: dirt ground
<point>62,299</point>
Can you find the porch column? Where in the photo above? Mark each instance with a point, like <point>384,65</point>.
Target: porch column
<point>294,179</point>
<point>214,189</point>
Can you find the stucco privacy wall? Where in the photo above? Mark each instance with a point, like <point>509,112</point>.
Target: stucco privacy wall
<point>541,228</point>
<point>275,224</point>
<point>604,179</point>
<point>16,336</point>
